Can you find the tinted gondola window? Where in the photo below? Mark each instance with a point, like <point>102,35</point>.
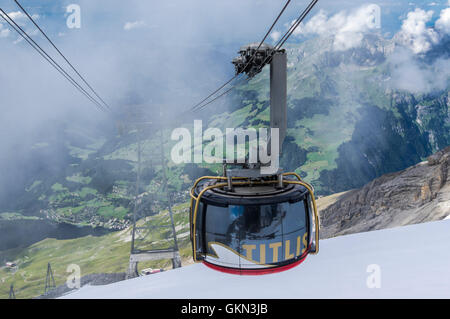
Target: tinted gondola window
<point>262,235</point>
<point>222,226</point>
<point>295,217</point>
<point>221,220</point>
<point>261,222</point>
<point>272,234</point>
<point>249,236</point>
<point>199,227</point>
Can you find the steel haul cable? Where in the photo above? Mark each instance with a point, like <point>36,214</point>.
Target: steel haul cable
<point>299,20</point>
<point>278,45</point>
<point>48,58</point>
<point>221,87</point>
<point>290,31</point>
<point>70,64</point>
<point>197,106</point>
<point>222,94</point>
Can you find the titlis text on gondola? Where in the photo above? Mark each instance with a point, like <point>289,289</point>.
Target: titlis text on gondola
<point>262,147</point>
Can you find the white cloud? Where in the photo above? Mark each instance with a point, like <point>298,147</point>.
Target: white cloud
<point>134,25</point>
<point>275,36</point>
<point>3,32</point>
<point>16,15</point>
<point>21,19</point>
<point>443,23</point>
<point>18,40</point>
<point>408,72</point>
<point>411,75</point>
<point>347,28</point>
<point>414,33</point>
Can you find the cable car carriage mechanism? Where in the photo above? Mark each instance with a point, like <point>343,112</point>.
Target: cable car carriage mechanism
<point>246,222</point>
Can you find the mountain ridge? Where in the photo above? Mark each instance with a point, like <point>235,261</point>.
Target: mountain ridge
<point>421,193</point>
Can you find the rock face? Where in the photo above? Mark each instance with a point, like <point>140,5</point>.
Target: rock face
<point>418,194</point>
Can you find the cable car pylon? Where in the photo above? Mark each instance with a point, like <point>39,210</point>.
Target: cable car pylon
<point>49,280</point>
<point>12,295</point>
<point>137,254</point>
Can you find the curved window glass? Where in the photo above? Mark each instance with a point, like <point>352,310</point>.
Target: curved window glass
<point>198,228</point>
<point>255,236</point>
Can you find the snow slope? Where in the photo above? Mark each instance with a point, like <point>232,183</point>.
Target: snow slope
<point>414,262</point>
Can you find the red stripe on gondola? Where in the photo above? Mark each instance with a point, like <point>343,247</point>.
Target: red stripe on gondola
<point>263,271</point>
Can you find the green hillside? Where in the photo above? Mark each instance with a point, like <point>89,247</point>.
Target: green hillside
<point>104,254</point>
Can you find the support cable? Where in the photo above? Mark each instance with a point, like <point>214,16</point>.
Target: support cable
<point>199,105</point>
<point>47,57</point>
<point>62,55</point>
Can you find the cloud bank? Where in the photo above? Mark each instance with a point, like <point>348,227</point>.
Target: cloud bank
<point>416,37</point>
<point>443,23</point>
<point>415,34</point>
<point>410,73</point>
<point>347,28</point>
<point>412,69</point>
<point>134,25</point>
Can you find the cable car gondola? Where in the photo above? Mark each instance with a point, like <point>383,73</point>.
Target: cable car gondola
<point>251,226</point>
<point>250,223</point>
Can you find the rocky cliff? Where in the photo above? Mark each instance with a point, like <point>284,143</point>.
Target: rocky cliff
<point>418,194</point>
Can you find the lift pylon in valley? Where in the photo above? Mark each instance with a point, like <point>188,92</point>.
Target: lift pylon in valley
<point>49,280</point>
<point>141,233</point>
<point>12,295</point>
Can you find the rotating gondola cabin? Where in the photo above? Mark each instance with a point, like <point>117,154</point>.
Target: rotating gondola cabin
<point>251,226</point>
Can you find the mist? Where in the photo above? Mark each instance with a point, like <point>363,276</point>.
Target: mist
<point>412,74</point>
<point>165,55</point>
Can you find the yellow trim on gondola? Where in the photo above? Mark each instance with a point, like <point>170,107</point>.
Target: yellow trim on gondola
<point>219,178</point>
<point>195,214</point>
<point>316,214</point>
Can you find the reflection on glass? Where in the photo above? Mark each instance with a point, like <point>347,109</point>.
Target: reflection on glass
<point>199,227</point>
<point>264,234</point>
